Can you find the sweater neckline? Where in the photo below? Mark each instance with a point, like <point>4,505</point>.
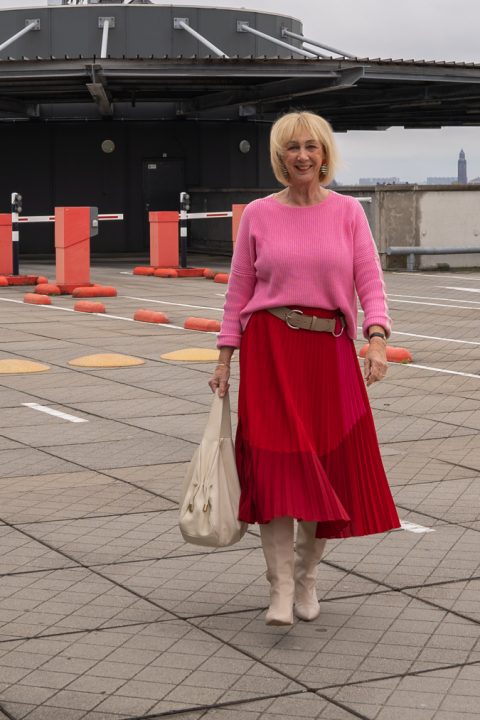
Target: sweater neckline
<point>330,195</point>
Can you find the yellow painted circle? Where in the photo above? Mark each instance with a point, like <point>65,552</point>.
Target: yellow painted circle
<point>192,355</point>
<point>21,366</point>
<point>106,360</point>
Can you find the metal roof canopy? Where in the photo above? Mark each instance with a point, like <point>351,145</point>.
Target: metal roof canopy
<point>225,79</point>
<point>352,94</point>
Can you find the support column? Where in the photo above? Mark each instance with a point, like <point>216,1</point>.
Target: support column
<point>6,249</point>
<point>237,212</point>
<point>74,226</point>
<point>164,238</point>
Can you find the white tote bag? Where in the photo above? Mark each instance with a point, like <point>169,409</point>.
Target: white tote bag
<point>211,490</point>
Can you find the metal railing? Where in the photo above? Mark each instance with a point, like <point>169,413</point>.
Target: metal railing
<point>410,252</point>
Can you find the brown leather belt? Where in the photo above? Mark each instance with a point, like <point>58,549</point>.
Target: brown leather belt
<point>297,320</point>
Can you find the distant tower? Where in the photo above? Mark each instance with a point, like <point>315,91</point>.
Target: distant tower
<point>462,168</point>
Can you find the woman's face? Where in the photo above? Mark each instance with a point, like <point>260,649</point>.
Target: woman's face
<point>303,157</point>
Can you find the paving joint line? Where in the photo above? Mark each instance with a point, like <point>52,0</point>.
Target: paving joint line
<point>443,521</point>
<point>44,449</point>
<point>393,588</point>
<point>403,675</point>
<point>178,617</point>
<point>75,518</point>
<point>6,713</point>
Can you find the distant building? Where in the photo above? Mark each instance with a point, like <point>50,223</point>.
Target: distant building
<point>462,168</point>
<point>379,181</point>
<point>441,181</point>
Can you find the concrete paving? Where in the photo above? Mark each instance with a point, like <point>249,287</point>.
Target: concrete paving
<point>106,614</point>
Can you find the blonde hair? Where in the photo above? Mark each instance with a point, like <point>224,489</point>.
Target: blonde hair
<point>285,129</point>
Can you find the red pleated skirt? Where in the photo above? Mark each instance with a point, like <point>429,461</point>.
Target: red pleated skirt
<point>306,445</point>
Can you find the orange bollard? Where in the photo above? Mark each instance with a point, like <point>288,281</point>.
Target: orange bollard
<point>151,316</point>
<point>237,211</point>
<point>6,243</point>
<point>35,299</point>
<point>394,354</point>
<point>89,306</point>
<point>47,289</point>
<point>164,238</point>
<point>74,226</point>
<point>204,324</point>
<point>143,270</point>
<point>165,273</point>
<point>94,291</point>
<point>221,278</point>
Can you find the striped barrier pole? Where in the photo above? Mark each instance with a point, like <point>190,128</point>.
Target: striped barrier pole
<point>16,208</point>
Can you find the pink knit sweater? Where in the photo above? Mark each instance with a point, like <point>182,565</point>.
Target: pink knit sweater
<point>318,256</point>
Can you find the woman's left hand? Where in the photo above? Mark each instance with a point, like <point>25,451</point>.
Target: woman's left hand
<point>375,364</point>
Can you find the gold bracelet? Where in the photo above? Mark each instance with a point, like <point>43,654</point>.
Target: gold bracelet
<point>226,364</point>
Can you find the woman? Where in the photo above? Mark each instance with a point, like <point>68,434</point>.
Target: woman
<point>306,444</point>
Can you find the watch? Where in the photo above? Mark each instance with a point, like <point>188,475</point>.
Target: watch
<point>377,334</point>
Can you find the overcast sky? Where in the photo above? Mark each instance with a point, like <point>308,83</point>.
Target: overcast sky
<point>420,29</point>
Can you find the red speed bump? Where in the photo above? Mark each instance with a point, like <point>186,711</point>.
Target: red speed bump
<point>204,324</point>
<point>89,307</point>
<point>41,279</point>
<point>35,299</point>
<point>143,270</point>
<point>47,289</point>
<point>151,316</point>
<point>3,281</point>
<point>394,354</point>
<point>221,278</point>
<point>208,273</point>
<point>95,291</point>
<point>165,273</point>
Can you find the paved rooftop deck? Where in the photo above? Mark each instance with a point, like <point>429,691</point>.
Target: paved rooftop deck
<point>105,613</point>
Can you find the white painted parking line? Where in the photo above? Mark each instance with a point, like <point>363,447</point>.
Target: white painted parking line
<point>414,528</point>
<point>160,326</point>
<point>448,287</point>
<point>125,272</point>
<point>435,337</point>
<point>428,297</point>
<point>440,370</point>
<point>415,302</point>
<point>475,277</point>
<point>165,302</point>
<point>56,413</point>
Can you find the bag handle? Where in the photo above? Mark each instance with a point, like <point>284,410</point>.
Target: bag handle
<point>219,424</point>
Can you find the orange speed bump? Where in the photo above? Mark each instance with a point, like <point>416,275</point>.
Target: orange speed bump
<point>3,281</point>
<point>47,289</point>
<point>208,273</point>
<point>89,307</point>
<point>41,279</point>
<point>204,324</point>
<point>140,270</point>
<point>35,299</point>
<point>394,354</point>
<point>94,291</point>
<point>221,278</point>
<point>151,316</point>
<point>165,273</point>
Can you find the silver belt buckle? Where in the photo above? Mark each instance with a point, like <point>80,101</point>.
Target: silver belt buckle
<point>337,335</point>
<point>287,317</point>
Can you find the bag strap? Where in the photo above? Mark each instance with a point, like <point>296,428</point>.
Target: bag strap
<point>219,424</point>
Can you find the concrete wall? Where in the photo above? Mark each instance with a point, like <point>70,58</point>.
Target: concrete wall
<point>430,216</point>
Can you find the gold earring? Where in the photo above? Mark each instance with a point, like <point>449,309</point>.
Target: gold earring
<point>323,168</point>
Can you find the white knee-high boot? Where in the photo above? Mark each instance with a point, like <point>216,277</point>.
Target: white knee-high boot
<point>277,544</point>
<point>309,551</point>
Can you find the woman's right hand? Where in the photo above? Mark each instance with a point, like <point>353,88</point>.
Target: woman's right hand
<point>219,380</point>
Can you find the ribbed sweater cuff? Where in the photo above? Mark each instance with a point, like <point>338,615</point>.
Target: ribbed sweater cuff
<point>376,320</point>
<point>228,341</point>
